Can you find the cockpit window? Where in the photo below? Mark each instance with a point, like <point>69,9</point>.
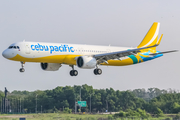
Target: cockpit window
<point>10,47</point>
<point>13,47</point>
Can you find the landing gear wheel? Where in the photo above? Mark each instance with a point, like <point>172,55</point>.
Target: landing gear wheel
<point>22,67</point>
<point>97,71</point>
<point>73,72</point>
<point>22,70</point>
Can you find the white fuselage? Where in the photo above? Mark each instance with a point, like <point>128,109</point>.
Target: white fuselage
<point>31,51</point>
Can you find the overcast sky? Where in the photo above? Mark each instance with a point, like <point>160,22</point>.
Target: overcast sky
<point>101,22</point>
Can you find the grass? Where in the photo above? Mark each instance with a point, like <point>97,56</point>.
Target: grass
<point>51,116</point>
<point>60,116</point>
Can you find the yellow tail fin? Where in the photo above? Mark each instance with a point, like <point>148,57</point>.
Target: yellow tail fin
<point>151,37</point>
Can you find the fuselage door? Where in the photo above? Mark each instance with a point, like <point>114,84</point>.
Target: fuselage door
<point>80,51</point>
<point>27,48</point>
<point>108,50</point>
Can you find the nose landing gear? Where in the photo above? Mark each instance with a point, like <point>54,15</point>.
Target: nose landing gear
<point>22,69</point>
<point>73,72</point>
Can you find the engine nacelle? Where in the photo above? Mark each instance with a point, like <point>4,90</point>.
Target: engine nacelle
<point>50,66</point>
<point>86,62</point>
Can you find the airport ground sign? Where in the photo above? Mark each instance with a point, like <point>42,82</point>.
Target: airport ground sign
<point>82,103</point>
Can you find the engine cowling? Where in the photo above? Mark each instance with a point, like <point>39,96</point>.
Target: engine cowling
<point>50,66</point>
<point>86,62</point>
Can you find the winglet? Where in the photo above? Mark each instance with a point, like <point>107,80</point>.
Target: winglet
<point>159,40</point>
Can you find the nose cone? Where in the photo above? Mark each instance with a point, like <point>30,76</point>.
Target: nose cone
<point>8,54</point>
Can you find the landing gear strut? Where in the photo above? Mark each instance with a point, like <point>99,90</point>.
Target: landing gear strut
<point>22,67</point>
<point>73,72</point>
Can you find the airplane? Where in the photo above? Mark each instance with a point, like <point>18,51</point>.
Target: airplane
<point>52,56</point>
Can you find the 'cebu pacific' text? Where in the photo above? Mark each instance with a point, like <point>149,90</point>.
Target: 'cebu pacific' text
<point>62,48</point>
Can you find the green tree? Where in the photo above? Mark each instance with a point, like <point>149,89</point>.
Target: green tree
<point>159,112</point>
<point>55,109</point>
<point>65,103</point>
<point>67,110</point>
<point>175,107</point>
<point>142,113</point>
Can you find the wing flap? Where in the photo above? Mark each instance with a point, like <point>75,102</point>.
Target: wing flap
<point>118,55</point>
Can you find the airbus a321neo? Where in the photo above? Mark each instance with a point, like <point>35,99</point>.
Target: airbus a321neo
<point>52,56</point>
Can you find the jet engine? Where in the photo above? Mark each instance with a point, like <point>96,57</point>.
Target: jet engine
<point>86,62</point>
<point>50,66</point>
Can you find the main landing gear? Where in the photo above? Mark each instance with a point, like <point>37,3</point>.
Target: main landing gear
<point>73,72</point>
<point>97,71</point>
<point>22,67</point>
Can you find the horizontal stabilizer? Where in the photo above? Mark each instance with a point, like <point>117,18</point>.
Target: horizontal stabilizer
<point>164,52</point>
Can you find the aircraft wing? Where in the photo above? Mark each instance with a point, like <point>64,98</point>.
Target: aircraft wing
<point>101,58</point>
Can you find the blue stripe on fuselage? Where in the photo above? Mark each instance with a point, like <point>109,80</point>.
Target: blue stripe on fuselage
<point>148,57</point>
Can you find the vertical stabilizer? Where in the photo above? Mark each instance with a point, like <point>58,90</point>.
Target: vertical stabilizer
<point>151,37</point>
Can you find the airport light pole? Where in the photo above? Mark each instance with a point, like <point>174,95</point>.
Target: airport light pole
<point>75,103</point>
<point>20,105</point>
<point>41,109</point>
<point>23,104</point>
<point>80,93</point>
<point>80,96</point>
<point>90,101</point>
<point>36,103</point>
<point>1,105</point>
<point>107,105</point>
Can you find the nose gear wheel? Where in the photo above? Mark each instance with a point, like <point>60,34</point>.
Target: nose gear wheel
<point>22,67</point>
